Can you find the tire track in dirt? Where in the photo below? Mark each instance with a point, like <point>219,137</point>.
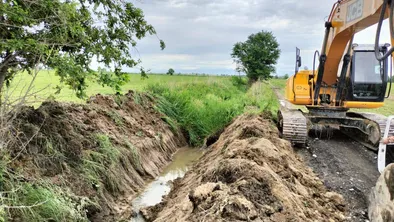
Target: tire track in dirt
<point>346,167</point>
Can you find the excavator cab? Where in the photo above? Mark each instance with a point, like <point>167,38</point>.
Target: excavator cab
<point>368,76</point>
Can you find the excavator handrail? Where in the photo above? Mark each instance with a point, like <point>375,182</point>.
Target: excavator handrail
<point>383,146</point>
<point>334,7</point>
<point>391,77</point>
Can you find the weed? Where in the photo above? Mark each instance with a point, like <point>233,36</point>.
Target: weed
<point>119,100</point>
<point>97,165</point>
<point>114,115</point>
<point>92,166</point>
<point>240,82</point>
<point>107,149</point>
<point>137,98</point>
<point>42,201</point>
<point>139,133</point>
<point>172,123</point>
<point>52,151</point>
<point>136,159</point>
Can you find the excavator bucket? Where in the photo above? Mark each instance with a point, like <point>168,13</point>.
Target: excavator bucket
<point>386,151</point>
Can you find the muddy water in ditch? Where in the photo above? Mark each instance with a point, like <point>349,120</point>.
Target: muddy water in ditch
<point>152,195</point>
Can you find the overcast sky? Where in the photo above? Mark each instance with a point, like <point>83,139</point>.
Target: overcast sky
<point>200,34</point>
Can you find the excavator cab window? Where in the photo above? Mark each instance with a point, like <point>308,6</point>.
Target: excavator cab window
<point>368,77</point>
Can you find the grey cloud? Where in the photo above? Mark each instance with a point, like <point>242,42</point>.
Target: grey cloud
<point>206,30</point>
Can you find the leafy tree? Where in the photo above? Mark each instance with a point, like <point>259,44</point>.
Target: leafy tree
<point>144,74</point>
<point>67,36</point>
<point>171,71</point>
<point>257,55</point>
<point>286,76</point>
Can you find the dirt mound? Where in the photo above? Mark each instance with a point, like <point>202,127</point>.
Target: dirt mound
<point>249,174</point>
<point>381,206</point>
<point>104,150</point>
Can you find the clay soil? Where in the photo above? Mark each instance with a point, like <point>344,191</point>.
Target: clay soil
<point>249,174</point>
<point>62,139</point>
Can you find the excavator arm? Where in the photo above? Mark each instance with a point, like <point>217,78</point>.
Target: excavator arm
<point>346,19</point>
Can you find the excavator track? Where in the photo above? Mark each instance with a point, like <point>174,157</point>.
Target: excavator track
<point>293,126</point>
<point>374,136</point>
<point>381,120</point>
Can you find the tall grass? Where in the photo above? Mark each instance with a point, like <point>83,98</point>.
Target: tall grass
<point>201,109</point>
<point>97,164</point>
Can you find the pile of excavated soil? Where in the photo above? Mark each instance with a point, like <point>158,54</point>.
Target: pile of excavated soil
<point>249,174</point>
<point>105,150</point>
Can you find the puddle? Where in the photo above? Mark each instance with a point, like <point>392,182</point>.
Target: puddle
<point>152,195</point>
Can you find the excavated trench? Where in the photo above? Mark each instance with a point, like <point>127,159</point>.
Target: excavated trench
<point>329,180</point>
<point>249,174</point>
<point>343,165</point>
<point>183,159</point>
<point>246,173</point>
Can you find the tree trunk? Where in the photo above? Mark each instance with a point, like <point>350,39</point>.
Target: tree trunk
<point>2,78</point>
<point>7,62</point>
<point>3,73</point>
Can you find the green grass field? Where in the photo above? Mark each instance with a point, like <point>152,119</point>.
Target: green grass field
<point>200,105</point>
<point>387,109</point>
<point>46,81</point>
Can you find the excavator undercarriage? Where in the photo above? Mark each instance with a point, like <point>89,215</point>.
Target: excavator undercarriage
<point>366,128</point>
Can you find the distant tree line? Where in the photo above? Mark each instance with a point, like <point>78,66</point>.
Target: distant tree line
<point>286,76</point>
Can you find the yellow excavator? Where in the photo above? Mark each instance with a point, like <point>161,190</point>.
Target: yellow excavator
<point>348,76</point>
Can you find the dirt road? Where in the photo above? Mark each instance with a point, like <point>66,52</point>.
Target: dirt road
<point>345,167</point>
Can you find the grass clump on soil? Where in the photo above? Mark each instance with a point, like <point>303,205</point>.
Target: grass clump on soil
<point>23,200</point>
<point>97,164</point>
<point>135,155</point>
<point>107,149</point>
<point>45,203</point>
<point>115,116</point>
<point>201,109</point>
<point>240,82</point>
